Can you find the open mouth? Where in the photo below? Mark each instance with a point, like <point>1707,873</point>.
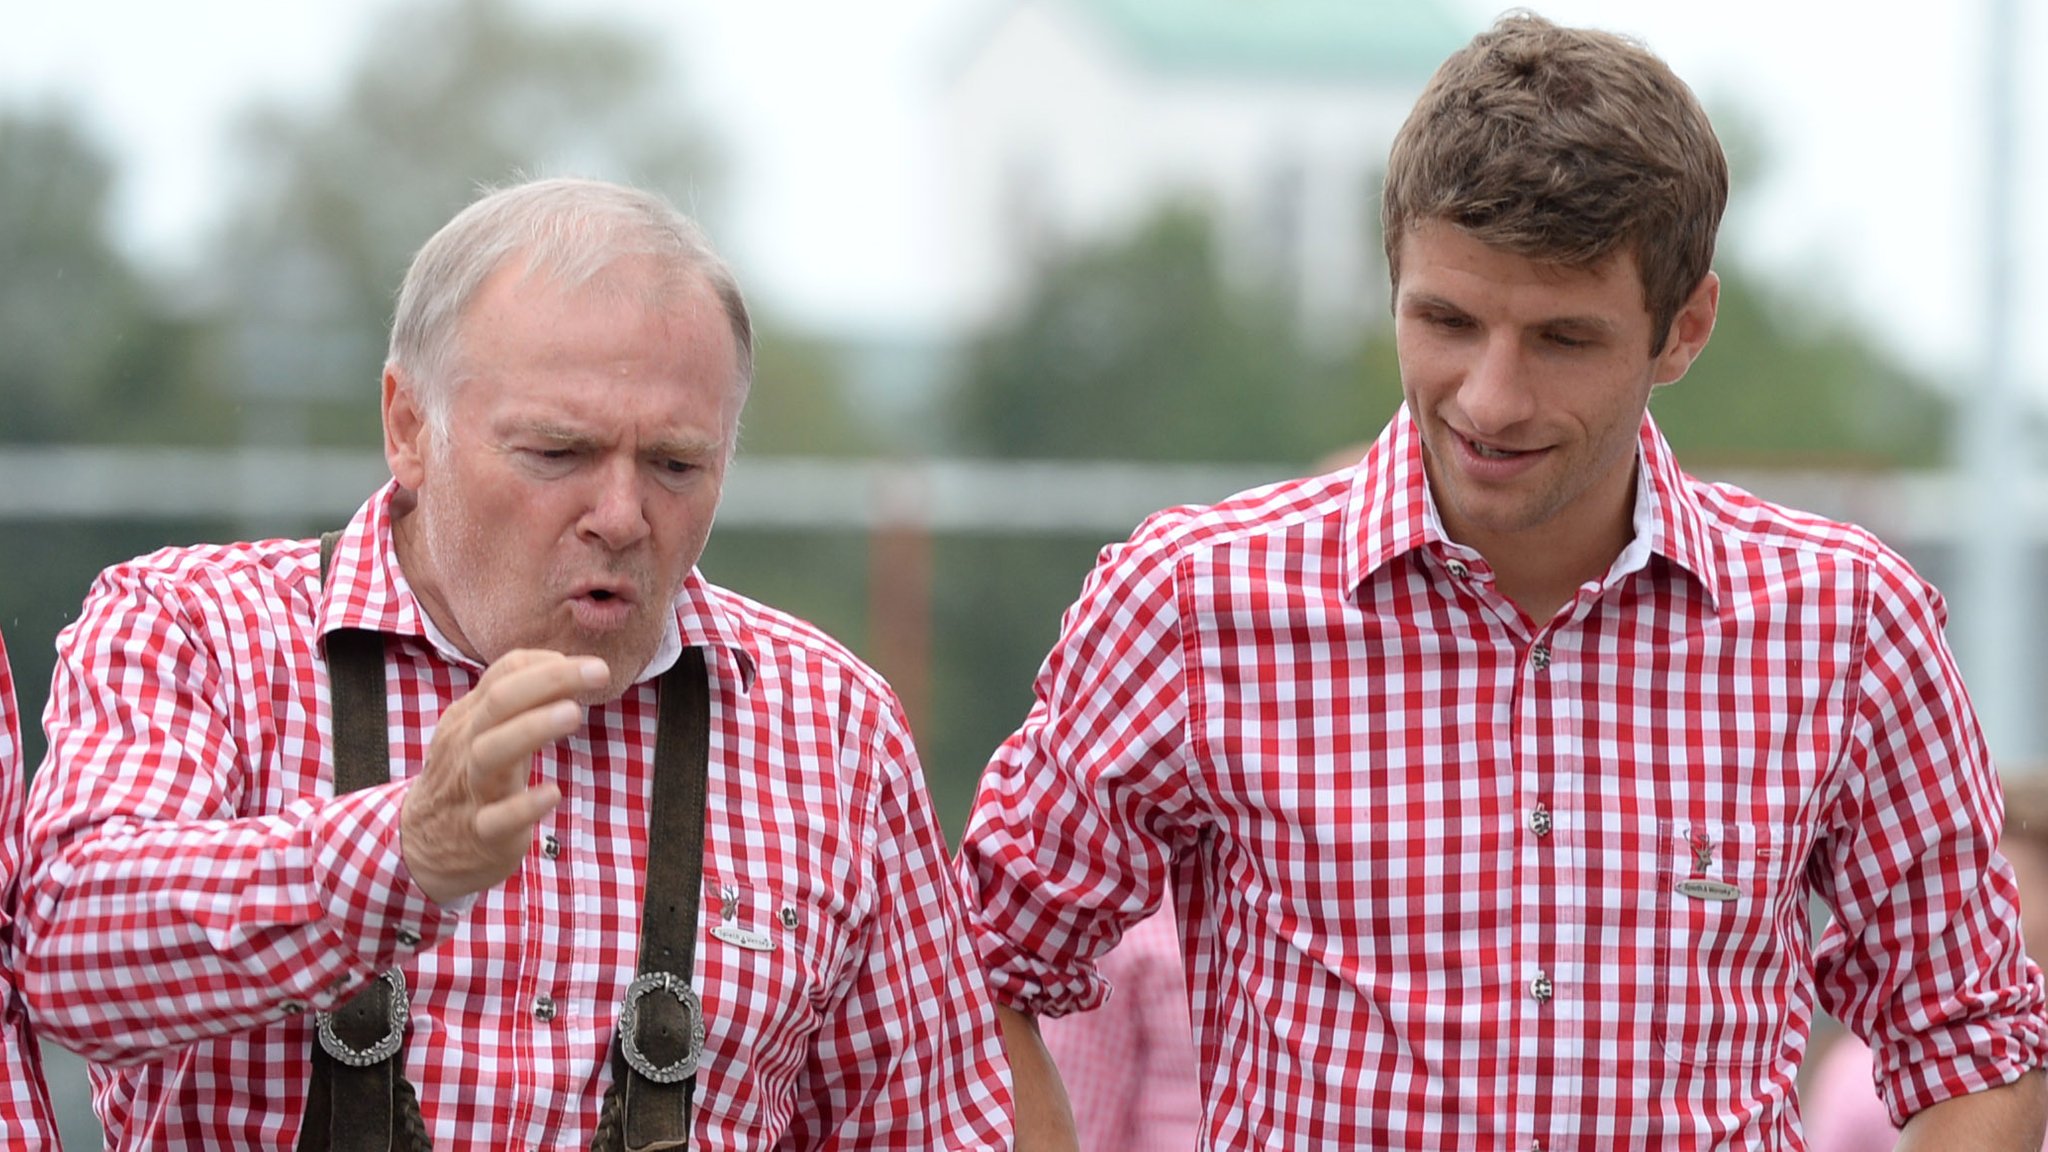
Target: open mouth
<point>605,595</point>
<point>1489,452</point>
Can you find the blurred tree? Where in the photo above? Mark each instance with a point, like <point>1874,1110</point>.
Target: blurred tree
<point>91,352</point>
<point>449,95</point>
<point>1142,349</point>
<point>1786,383</point>
<point>800,402</point>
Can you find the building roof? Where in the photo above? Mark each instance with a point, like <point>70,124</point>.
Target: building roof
<point>1401,40</point>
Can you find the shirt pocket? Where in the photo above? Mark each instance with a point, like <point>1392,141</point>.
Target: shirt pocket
<point>767,953</point>
<point>1723,963</point>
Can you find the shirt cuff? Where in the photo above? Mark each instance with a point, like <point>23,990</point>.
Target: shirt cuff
<point>371,902</point>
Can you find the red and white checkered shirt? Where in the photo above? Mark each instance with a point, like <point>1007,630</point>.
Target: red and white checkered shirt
<point>26,1120</point>
<point>1454,881</point>
<point>194,890</point>
<point>1129,1065</point>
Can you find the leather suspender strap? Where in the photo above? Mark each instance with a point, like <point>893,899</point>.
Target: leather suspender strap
<point>661,1030</point>
<point>370,1107</point>
<point>356,1107</point>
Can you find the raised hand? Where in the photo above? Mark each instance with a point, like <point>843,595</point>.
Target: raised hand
<point>469,818</point>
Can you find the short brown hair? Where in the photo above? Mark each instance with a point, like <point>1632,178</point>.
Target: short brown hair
<point>1564,145</point>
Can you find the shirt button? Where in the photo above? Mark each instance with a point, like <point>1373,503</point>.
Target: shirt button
<point>1540,657</point>
<point>1458,569</point>
<point>408,937</point>
<point>1539,820</point>
<point>550,847</point>
<point>543,1007</point>
<point>1541,987</point>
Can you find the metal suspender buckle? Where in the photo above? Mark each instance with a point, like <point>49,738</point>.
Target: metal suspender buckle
<point>386,1045</point>
<point>693,1027</point>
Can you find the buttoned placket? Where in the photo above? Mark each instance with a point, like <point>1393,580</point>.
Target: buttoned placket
<point>1539,893</point>
<point>546,950</point>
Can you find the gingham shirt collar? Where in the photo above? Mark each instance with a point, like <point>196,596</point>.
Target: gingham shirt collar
<point>1391,511</point>
<point>369,591</point>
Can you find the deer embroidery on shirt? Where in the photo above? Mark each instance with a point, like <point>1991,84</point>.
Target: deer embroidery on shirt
<point>1700,887</point>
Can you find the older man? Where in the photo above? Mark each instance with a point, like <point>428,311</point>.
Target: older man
<point>650,862</point>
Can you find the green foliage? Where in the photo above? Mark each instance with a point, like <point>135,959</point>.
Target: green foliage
<point>450,95</point>
<point>1784,384</point>
<point>45,570</point>
<point>1142,349</point>
<point>799,403</point>
<point>91,354</point>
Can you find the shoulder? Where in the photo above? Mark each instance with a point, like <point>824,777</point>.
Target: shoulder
<point>792,651</point>
<point>1751,529</point>
<point>1291,512</point>
<point>261,590</point>
<point>260,568</point>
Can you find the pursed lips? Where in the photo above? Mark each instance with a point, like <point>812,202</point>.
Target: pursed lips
<point>604,593</point>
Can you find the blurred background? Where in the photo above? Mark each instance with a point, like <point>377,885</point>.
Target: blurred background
<point>1026,270</point>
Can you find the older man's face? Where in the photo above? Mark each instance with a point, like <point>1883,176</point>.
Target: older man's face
<point>585,455</point>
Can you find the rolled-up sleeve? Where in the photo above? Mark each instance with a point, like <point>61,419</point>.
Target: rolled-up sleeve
<point>1069,842</point>
<point>1924,957</point>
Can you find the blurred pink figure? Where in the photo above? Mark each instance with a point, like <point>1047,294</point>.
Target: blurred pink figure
<point>1129,1066</point>
<point>1841,1111</point>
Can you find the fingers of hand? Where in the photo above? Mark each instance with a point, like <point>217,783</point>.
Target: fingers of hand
<point>526,679</point>
<point>510,821</point>
<point>500,756</point>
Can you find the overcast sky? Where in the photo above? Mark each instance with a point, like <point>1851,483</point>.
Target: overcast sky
<point>1873,111</point>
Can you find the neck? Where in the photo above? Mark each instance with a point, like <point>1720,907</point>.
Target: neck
<point>1542,568</point>
<point>410,548</point>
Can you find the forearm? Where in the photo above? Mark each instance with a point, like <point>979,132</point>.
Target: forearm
<point>142,939</point>
<point>2010,1118</point>
<point>1045,1122</point>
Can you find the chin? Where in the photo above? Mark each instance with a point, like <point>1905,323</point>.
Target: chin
<point>598,697</point>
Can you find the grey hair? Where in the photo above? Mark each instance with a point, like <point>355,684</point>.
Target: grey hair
<point>568,230</point>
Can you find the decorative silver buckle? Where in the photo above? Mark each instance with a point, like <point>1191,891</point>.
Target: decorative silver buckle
<point>401,1011</point>
<point>629,1026</point>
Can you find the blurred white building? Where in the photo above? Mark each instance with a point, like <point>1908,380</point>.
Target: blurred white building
<point>1074,120</point>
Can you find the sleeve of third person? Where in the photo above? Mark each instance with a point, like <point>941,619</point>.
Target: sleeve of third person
<point>26,1119</point>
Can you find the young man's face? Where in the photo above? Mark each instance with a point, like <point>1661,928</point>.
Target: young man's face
<point>1528,382</point>
<point>583,463</point>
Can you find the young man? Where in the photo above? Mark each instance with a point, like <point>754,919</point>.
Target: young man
<point>557,689</point>
<point>26,1119</point>
<point>1491,777</point>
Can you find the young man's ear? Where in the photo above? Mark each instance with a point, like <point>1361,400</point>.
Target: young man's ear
<point>1689,330</point>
